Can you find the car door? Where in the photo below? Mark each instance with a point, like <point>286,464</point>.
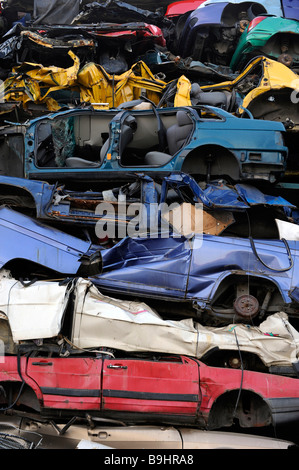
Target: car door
<point>151,266</point>
<point>67,383</point>
<point>166,386</point>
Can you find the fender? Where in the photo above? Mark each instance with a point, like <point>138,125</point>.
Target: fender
<point>222,277</point>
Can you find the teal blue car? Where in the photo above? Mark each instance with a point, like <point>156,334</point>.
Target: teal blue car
<point>87,146</point>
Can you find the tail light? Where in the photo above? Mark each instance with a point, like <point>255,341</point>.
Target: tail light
<point>255,22</point>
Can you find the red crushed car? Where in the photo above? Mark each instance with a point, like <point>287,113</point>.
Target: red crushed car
<point>163,389</point>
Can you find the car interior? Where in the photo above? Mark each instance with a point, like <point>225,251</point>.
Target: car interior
<point>82,141</point>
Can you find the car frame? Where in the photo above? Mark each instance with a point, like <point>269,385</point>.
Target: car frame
<point>208,141</point>
<point>55,204</point>
<point>268,90</point>
<point>211,32</point>
<point>28,243</point>
<point>205,276</point>
<point>166,389</point>
<point>80,212</point>
<point>271,36</point>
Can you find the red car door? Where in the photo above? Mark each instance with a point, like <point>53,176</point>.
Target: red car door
<point>168,386</point>
<point>68,383</point>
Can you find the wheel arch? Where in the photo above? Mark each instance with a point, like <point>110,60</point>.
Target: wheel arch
<point>259,295</point>
<point>20,393</point>
<point>230,278</point>
<point>245,406</point>
<point>212,160</point>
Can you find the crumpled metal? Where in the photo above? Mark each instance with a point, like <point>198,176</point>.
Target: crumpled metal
<point>34,83</point>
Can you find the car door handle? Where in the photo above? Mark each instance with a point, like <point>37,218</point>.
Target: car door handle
<point>42,363</point>
<point>115,366</point>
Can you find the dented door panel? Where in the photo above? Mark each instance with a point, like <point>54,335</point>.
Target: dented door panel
<point>166,386</point>
<point>71,383</point>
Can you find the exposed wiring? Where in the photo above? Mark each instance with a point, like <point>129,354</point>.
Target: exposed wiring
<point>242,374</point>
<point>21,388</point>
<point>269,267</point>
<point>18,362</point>
<point>88,350</point>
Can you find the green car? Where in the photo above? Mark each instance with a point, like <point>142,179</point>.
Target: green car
<point>271,36</point>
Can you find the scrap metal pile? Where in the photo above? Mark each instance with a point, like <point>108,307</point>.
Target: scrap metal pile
<point>149,263</point>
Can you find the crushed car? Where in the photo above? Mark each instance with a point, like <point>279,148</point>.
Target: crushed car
<point>211,32</point>
<point>264,87</point>
<point>206,141</point>
<point>271,36</point>
<point>33,90</point>
<point>80,212</point>
<point>31,246</point>
<point>223,206</point>
<point>267,89</point>
<point>114,11</point>
<point>157,437</point>
<point>76,315</point>
<point>116,47</point>
<point>34,433</point>
<point>215,278</point>
<point>165,389</point>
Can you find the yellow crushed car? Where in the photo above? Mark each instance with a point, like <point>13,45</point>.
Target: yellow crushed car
<point>269,90</point>
<point>52,88</point>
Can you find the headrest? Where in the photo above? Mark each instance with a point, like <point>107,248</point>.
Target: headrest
<point>183,118</point>
<point>130,121</point>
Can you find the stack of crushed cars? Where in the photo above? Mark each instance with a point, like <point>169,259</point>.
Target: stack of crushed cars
<point>149,263</point>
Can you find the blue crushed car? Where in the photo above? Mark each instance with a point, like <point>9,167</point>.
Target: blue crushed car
<point>79,211</point>
<point>29,247</point>
<point>211,33</point>
<point>217,279</point>
<point>242,271</point>
<point>85,146</point>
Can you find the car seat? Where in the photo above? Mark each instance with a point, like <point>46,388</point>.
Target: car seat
<point>127,131</point>
<point>176,136</point>
<point>220,99</point>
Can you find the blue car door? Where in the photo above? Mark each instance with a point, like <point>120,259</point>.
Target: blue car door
<point>153,266</point>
